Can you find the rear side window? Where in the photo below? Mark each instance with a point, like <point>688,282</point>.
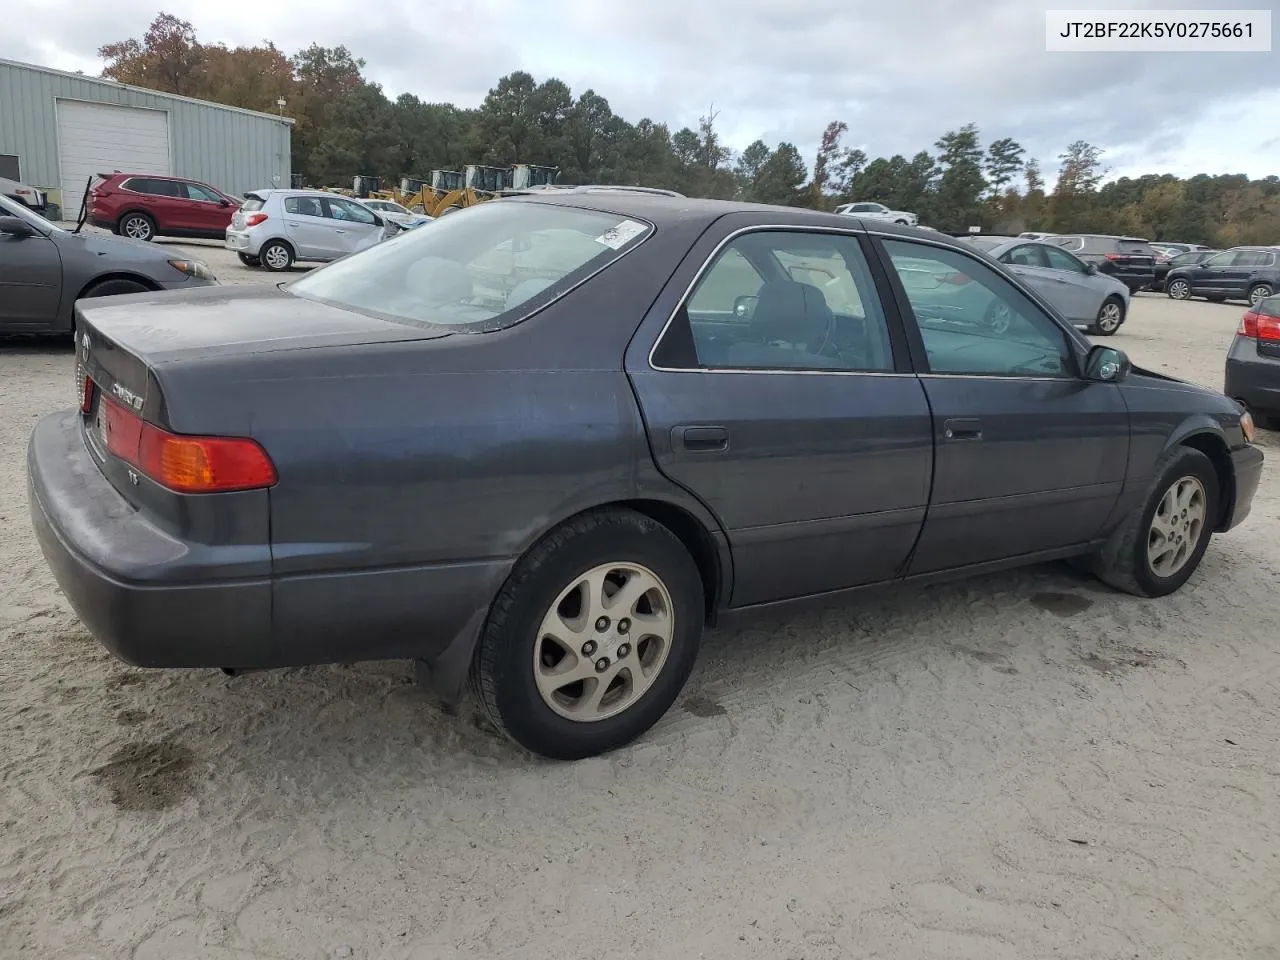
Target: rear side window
<point>1255,258</point>
<point>1074,244</point>
<point>303,206</point>
<point>1134,248</point>
<point>156,188</point>
<point>485,269</point>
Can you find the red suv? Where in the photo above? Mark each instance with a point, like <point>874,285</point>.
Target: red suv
<point>144,207</point>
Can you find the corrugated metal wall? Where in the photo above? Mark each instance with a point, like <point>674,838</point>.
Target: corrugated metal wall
<point>236,150</point>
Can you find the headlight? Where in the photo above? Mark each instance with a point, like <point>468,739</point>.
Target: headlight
<point>193,268</point>
<point>1246,426</point>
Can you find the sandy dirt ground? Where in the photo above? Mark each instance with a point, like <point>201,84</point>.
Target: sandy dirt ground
<point>1020,766</point>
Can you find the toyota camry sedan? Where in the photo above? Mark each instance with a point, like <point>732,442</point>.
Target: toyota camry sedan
<point>545,443</point>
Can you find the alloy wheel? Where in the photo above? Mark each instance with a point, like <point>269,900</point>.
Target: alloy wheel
<point>1109,317</point>
<point>1179,290</point>
<point>1176,526</point>
<point>1259,293</point>
<point>137,228</point>
<point>603,642</point>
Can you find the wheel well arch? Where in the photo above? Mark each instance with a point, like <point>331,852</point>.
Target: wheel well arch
<point>275,239</point>
<point>139,211</point>
<point>687,528</point>
<point>117,275</point>
<point>1215,448</point>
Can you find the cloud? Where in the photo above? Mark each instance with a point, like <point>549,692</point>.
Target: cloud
<point>900,74</point>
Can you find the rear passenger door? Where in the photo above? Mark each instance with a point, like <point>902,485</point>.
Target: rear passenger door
<point>310,231</point>
<point>780,395</point>
<point>1030,456</point>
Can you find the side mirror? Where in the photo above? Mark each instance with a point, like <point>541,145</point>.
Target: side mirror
<point>1091,269</point>
<point>224,202</point>
<point>1106,365</point>
<point>745,307</point>
<point>15,226</point>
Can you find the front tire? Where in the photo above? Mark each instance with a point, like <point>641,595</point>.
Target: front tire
<point>1110,316</point>
<point>1179,289</point>
<point>276,256</point>
<point>592,636</point>
<point>1159,546</point>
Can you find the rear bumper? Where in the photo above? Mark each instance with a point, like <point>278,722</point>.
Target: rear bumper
<point>1247,465</point>
<point>150,598</point>
<point>96,544</point>
<point>240,242</point>
<point>1252,378</point>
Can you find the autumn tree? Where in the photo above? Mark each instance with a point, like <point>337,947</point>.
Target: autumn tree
<point>1078,178</point>
<point>167,58</point>
<point>824,167</point>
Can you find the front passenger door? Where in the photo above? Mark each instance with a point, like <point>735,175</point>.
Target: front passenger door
<point>356,226</point>
<point>1030,457</point>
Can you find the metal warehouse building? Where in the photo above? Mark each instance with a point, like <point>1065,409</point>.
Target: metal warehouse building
<point>58,129</point>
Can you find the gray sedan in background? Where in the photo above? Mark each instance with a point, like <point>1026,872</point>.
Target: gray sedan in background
<point>45,269</point>
<point>1076,289</point>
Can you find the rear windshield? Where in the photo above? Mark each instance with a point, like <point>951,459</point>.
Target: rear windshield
<point>986,243</point>
<point>252,202</point>
<point>484,268</point>
<point>1137,248</point>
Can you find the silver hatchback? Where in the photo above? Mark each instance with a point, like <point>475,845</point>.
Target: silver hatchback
<point>277,228</point>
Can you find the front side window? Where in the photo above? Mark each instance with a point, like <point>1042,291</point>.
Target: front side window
<point>347,210</point>
<point>972,320</point>
<point>782,300</point>
<point>203,194</point>
<point>486,268</point>
<point>1224,259</point>
<point>1061,260</point>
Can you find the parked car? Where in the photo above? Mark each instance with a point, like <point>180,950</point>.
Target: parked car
<point>1178,248</point>
<point>1128,259</point>
<point>24,194</point>
<point>277,228</point>
<point>877,211</point>
<point>396,213</point>
<point>1253,362</point>
<point>144,206</point>
<point>1251,274</point>
<point>45,270</point>
<point>436,449</point>
<point>1162,267</point>
<point>1085,297</point>
<point>1035,235</point>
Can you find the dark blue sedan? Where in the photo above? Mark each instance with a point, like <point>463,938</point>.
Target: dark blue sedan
<point>545,442</point>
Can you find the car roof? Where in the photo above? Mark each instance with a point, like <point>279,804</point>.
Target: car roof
<point>662,210</point>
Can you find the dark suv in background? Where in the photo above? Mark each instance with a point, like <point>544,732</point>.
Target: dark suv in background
<point>143,207</point>
<point>1241,273</point>
<point>1188,259</point>
<point>1131,260</point>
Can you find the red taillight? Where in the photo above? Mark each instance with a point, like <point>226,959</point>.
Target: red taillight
<point>186,464</point>
<point>1115,256</point>
<point>1257,326</point>
<point>253,219</point>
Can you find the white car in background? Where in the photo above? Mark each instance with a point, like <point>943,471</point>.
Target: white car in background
<point>397,213</point>
<point>878,211</point>
<point>24,194</point>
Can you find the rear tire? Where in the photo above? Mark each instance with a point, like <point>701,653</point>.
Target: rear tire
<point>137,226</point>
<point>1110,317</point>
<point>1157,548</point>
<point>547,695</point>
<point>1259,292</point>
<point>249,261</point>
<point>276,256</point>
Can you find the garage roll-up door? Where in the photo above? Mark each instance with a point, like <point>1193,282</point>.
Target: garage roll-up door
<point>100,138</point>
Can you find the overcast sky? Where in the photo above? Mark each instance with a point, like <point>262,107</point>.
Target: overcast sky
<point>899,73</point>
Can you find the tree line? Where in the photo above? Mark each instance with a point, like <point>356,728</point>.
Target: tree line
<point>345,125</point>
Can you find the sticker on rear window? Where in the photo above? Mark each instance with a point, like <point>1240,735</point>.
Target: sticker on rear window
<point>618,237</point>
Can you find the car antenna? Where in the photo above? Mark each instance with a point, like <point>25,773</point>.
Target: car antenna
<point>84,206</point>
